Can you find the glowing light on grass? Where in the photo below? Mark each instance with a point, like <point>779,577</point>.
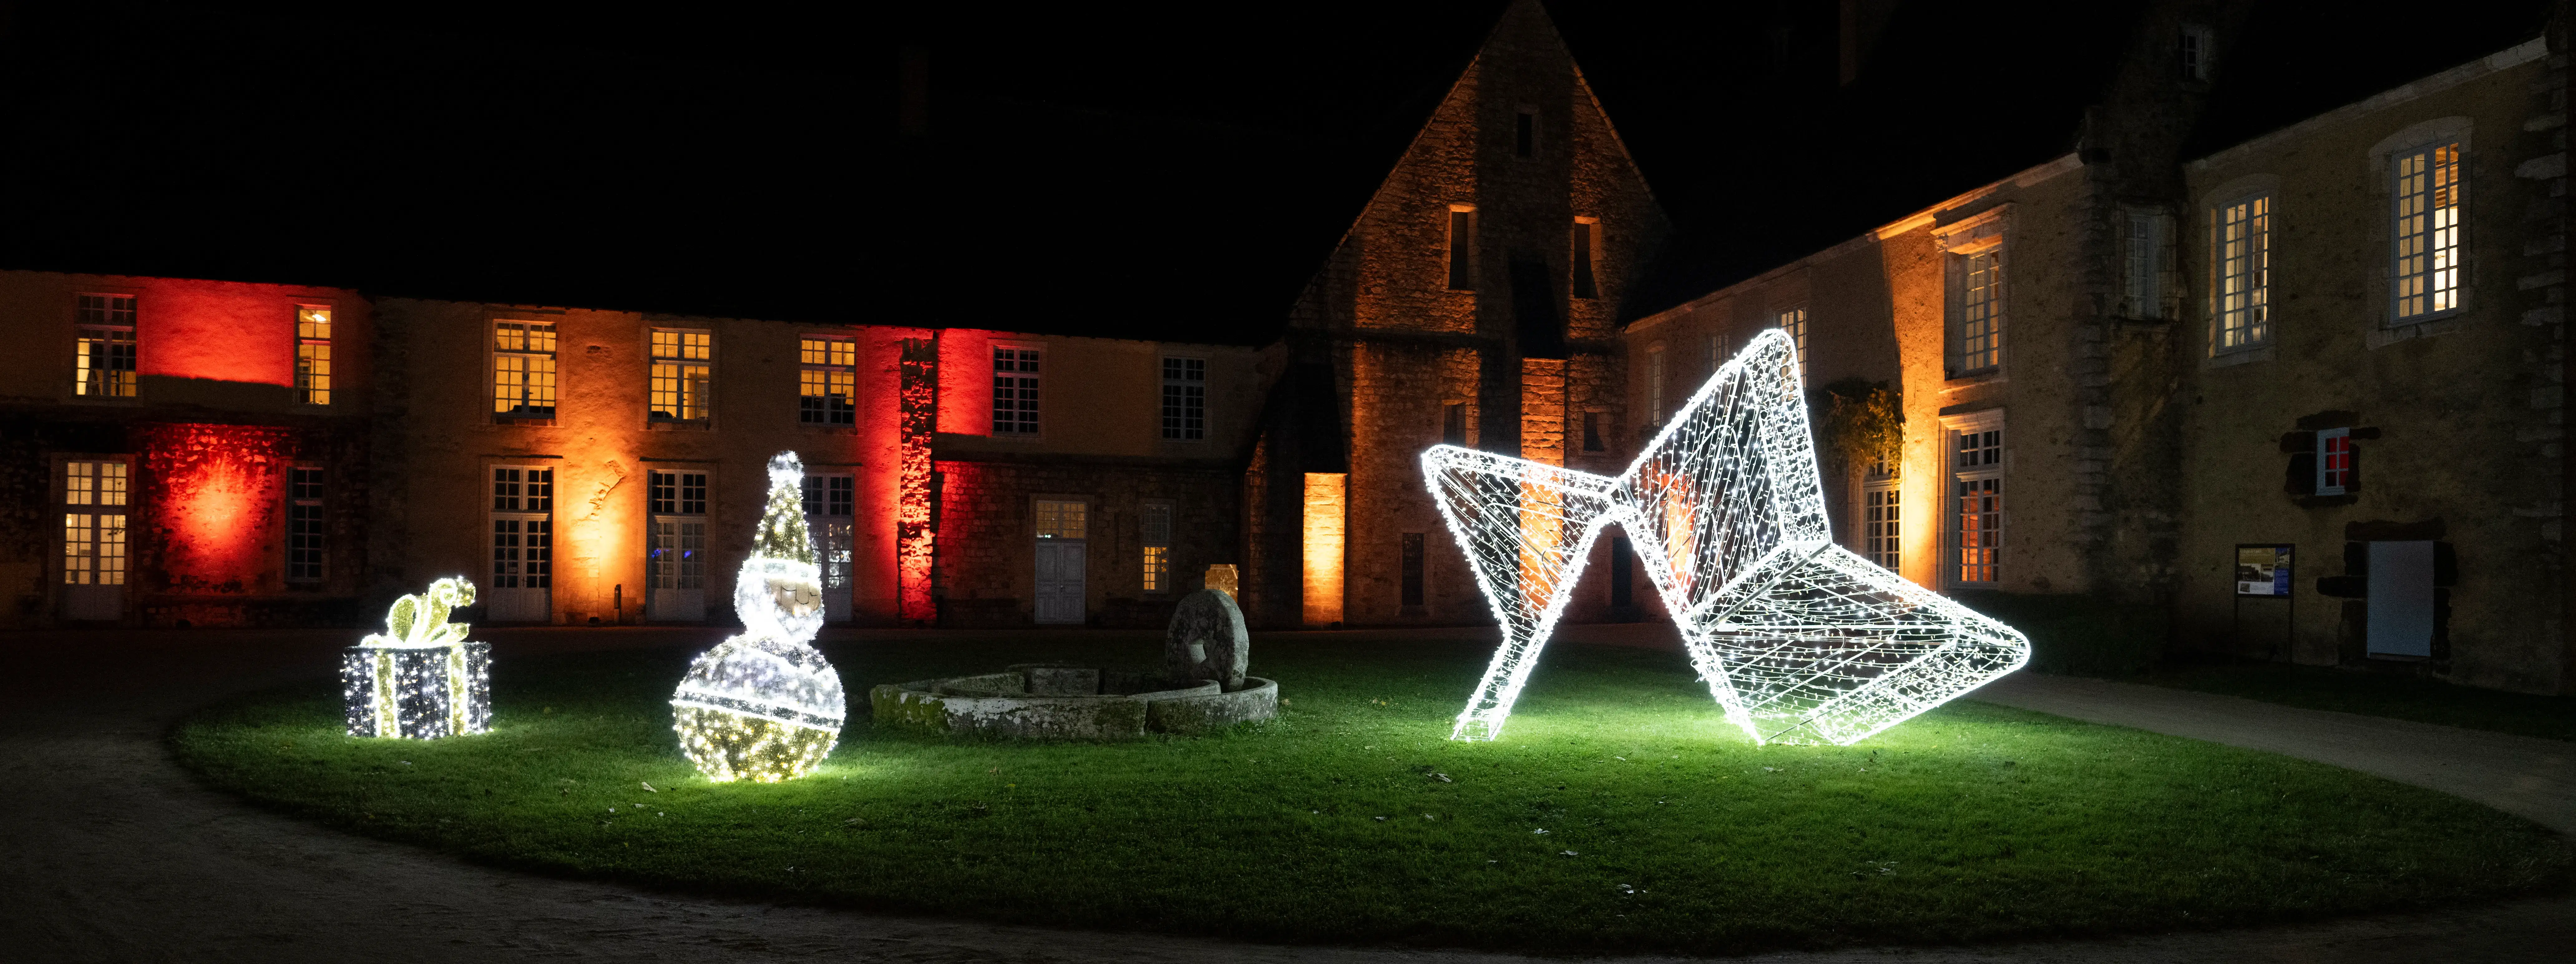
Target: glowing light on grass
<point>1800,640</point>
<point>765,706</point>
<point>420,679</point>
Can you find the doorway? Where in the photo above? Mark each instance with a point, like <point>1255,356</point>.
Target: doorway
<point>1063,528</point>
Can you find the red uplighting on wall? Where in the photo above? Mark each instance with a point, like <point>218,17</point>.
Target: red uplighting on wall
<point>918,405</point>
<point>216,330</point>
<point>212,495</point>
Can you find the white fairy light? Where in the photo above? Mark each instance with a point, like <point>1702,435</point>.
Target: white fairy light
<point>1801,640</point>
<point>765,706</point>
<point>421,678</point>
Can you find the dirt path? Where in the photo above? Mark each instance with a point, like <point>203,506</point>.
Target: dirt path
<point>114,854</point>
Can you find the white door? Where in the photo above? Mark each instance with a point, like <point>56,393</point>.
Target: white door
<point>1060,570</point>
<point>678,570</point>
<point>522,586</point>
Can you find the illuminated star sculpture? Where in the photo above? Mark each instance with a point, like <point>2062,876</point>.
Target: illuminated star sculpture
<point>765,706</point>
<point>1800,640</point>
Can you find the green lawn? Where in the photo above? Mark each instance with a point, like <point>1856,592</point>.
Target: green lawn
<point>1352,819</point>
<point>2376,694</point>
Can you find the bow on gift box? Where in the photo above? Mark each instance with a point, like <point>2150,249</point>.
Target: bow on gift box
<point>420,622</point>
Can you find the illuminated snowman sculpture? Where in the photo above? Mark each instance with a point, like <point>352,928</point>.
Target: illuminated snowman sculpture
<point>765,706</point>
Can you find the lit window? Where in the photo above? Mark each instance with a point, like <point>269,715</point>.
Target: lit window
<point>2334,461</point>
<point>103,358</point>
<point>677,552</point>
<point>1977,478</point>
<point>1587,240</point>
<point>1063,519</point>
<point>682,373</point>
<point>2244,274</point>
<point>827,381</point>
<point>523,370</point>
<point>313,354</point>
<point>1154,533</point>
<point>2428,230</point>
<point>1462,248</point>
<point>2145,238</point>
<point>304,528</point>
<point>1655,382</point>
<point>1015,391</point>
<point>94,523</point>
<point>1977,312</point>
<point>1794,322</point>
<point>1185,399</point>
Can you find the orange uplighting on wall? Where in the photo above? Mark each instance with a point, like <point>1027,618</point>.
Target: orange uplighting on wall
<point>1326,498</point>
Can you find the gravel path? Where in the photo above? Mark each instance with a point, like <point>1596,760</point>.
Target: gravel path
<point>114,854</point>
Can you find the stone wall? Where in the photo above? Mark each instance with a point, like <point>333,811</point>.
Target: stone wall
<point>986,572</point>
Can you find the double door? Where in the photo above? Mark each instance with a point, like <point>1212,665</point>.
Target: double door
<point>677,569</point>
<point>523,566</point>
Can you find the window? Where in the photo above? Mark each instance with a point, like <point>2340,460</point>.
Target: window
<point>1587,239</point>
<point>676,558</point>
<point>830,503</point>
<point>1015,391</point>
<point>682,372</point>
<point>523,370</point>
<point>1794,322</point>
<point>2146,239</point>
<point>2427,230</point>
<point>2244,274</point>
<point>304,540</point>
<point>1525,133</point>
<point>1977,481</point>
<point>1592,441</point>
<point>830,495</point>
<point>94,523</point>
<point>1453,423</point>
<point>1462,235</point>
<point>523,545</point>
<point>1977,312</point>
<point>1882,523</point>
<point>1716,352</point>
<point>1063,519</point>
<point>103,356</point>
<point>528,490</point>
<point>1185,399</point>
<point>313,354</point>
<point>827,381</point>
<point>1409,590</point>
<point>1154,532</point>
<point>1655,382</point>
<point>2195,52</point>
<point>2334,461</point>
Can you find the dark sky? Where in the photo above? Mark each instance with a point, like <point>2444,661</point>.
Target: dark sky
<point>1089,169</point>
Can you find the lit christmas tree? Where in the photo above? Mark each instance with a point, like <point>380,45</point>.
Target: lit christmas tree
<point>764,705</point>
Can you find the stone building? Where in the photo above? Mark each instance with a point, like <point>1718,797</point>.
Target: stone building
<point>1474,299</point>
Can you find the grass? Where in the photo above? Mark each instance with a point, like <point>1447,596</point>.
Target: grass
<point>1352,819</point>
<point>2376,694</point>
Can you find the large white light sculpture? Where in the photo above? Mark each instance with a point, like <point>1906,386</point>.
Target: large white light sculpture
<point>765,706</point>
<point>421,678</point>
<point>1801,640</point>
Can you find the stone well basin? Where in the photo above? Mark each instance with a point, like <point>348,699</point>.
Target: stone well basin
<point>1054,702</point>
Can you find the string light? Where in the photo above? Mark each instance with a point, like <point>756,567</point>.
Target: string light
<point>420,679</point>
<point>1799,639</point>
<point>765,706</point>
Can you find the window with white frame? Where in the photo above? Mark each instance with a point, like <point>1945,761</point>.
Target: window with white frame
<point>1793,321</point>
<point>1882,516</point>
<point>1015,390</point>
<point>2243,232</point>
<point>683,375</point>
<point>831,505</point>
<point>313,354</point>
<point>1063,519</point>
<point>2146,245</point>
<point>1154,534</point>
<point>103,347</point>
<point>827,380</point>
<point>523,370</point>
<point>94,500</point>
<point>1976,311</point>
<point>1655,382</point>
<point>305,555</point>
<point>2196,51</point>
<point>1977,520</point>
<point>2334,461</point>
<point>1185,399</point>
<point>676,558</point>
<point>523,540</point>
<point>2427,230</point>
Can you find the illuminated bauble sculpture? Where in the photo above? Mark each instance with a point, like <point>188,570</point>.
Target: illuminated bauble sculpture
<point>765,706</point>
<point>421,679</point>
<point>1801,640</point>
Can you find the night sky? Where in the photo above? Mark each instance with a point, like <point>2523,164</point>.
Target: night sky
<point>1138,173</point>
